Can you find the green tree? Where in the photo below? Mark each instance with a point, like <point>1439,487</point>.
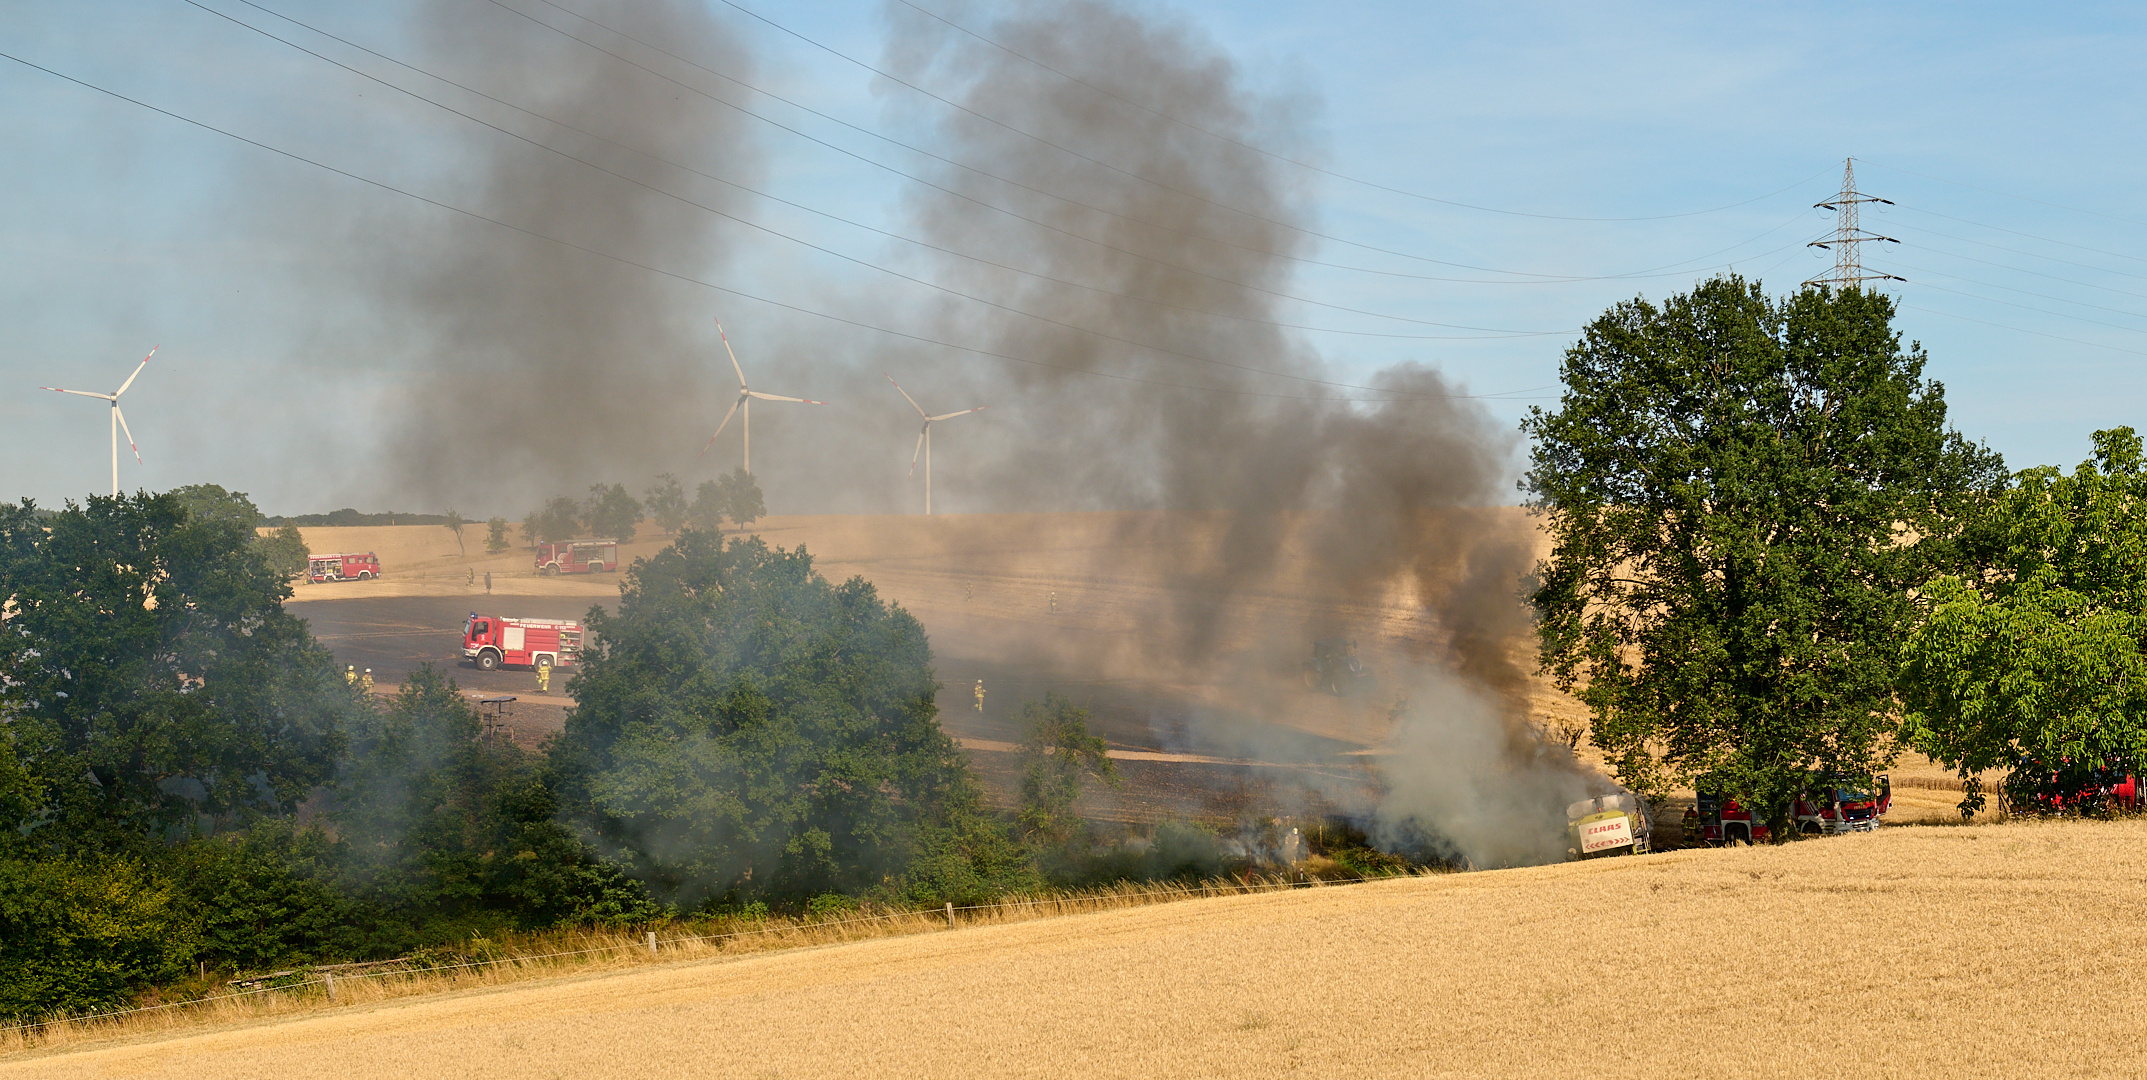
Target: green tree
<point>210,502</point>
<point>1058,753</point>
<point>748,729</point>
<point>454,523</point>
<point>734,497</point>
<point>2043,654</point>
<point>557,519</point>
<point>82,934</point>
<point>151,675</point>
<point>666,502</point>
<point>443,825</point>
<point>285,551</point>
<point>1741,495</point>
<point>496,535</point>
<point>611,512</point>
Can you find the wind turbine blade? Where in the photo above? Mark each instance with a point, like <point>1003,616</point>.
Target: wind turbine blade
<point>905,395</point>
<point>919,450</point>
<point>951,415</point>
<point>137,372</point>
<point>84,393</point>
<point>130,434</point>
<point>779,397</point>
<point>726,423</point>
<point>734,356</point>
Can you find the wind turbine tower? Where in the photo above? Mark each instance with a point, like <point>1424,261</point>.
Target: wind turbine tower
<point>119,420</point>
<point>924,439</point>
<point>742,407</point>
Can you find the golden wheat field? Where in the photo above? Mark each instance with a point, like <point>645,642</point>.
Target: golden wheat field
<point>1993,950</point>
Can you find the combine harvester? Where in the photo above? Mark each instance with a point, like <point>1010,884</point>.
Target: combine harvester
<point>1607,825</point>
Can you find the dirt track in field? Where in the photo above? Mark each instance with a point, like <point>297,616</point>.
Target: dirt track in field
<point>1028,603</point>
<point>1992,951</point>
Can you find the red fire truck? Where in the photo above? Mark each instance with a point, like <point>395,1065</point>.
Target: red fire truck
<point>342,566</point>
<point>491,641</point>
<point>1838,804</point>
<point>578,557</point>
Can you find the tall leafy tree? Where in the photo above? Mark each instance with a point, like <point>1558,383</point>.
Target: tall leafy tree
<point>611,512</point>
<point>496,535</point>
<point>666,503</point>
<point>748,729</point>
<point>285,551</point>
<point>558,519</point>
<point>149,674</point>
<point>1741,495</point>
<point>1057,755</point>
<point>2045,654</point>
<point>454,524</point>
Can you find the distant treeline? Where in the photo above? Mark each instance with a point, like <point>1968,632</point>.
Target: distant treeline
<point>348,516</point>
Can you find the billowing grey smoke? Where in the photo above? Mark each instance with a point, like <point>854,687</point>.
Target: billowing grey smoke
<point>544,369</point>
<point>1185,396</point>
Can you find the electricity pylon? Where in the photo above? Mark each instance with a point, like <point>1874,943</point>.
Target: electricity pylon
<point>1849,236</point>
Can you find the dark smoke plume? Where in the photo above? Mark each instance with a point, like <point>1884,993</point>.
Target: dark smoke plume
<point>1181,238</point>
<point>544,369</point>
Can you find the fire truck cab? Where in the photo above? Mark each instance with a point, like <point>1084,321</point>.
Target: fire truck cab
<point>578,557</point>
<point>1834,804</point>
<point>342,566</point>
<point>494,641</point>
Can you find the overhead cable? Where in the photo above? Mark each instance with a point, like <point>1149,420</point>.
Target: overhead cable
<point>675,275</point>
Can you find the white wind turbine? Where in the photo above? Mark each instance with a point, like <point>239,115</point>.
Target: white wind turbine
<point>924,439</point>
<point>745,403</point>
<point>119,421</point>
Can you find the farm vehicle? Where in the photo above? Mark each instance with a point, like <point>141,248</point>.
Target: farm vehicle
<point>1334,667</point>
<point>1608,825</point>
<point>2071,786</point>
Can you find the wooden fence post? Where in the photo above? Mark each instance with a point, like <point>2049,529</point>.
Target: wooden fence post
<point>328,981</point>
<point>652,943</point>
<point>950,914</point>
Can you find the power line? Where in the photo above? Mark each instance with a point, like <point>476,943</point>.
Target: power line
<point>803,243</point>
<point>2009,195</point>
<point>2024,330</point>
<point>681,277</point>
<point>1322,170</point>
<point>1497,333</point>
<point>1543,278</point>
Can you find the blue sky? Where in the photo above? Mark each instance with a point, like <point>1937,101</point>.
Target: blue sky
<point>2004,134</point>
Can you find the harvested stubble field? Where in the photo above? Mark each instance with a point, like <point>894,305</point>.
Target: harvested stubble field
<point>1993,950</point>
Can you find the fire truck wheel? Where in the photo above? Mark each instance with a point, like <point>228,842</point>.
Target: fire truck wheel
<point>365,575</point>
<point>552,570</point>
<point>488,660</point>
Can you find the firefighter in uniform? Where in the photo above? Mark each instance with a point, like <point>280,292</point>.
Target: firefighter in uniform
<point>365,682</point>
<point>350,674</point>
<point>544,675</point>
<point>1692,826</point>
<point>980,695</point>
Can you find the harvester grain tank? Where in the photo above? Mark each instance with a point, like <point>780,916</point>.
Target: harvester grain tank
<point>1607,825</point>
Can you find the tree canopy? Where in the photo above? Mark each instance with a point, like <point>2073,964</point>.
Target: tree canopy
<point>734,496</point>
<point>2042,653</point>
<point>1741,495</point>
<point>149,675</point>
<point>747,729</point>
